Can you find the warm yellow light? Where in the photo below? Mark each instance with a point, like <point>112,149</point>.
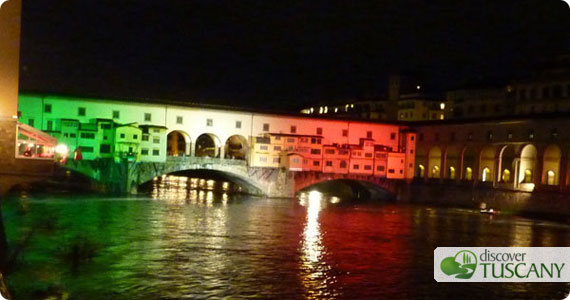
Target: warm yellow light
<point>312,109</point>
<point>336,109</point>
<point>442,106</point>
<point>326,109</point>
<point>441,117</point>
<point>320,110</point>
<point>418,87</point>
<point>352,106</point>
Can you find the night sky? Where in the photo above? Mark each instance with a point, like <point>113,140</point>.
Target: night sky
<point>269,54</point>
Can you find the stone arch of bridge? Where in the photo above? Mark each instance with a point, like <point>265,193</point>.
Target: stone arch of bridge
<point>306,180</point>
<point>247,184</point>
<point>349,189</point>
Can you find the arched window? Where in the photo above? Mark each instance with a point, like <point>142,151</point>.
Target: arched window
<point>468,174</point>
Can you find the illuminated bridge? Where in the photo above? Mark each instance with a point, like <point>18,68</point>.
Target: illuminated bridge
<point>127,143</point>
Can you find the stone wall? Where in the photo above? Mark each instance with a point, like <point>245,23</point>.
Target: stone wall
<point>507,201</point>
<point>275,183</point>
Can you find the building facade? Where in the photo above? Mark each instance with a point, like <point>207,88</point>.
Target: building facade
<point>512,153</point>
<point>150,132</point>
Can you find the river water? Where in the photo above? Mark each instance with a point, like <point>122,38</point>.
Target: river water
<point>195,239</point>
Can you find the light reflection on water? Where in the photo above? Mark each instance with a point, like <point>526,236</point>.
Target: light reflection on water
<point>184,241</point>
<point>314,270</point>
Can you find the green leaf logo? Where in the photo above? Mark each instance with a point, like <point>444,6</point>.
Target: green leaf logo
<point>462,265</point>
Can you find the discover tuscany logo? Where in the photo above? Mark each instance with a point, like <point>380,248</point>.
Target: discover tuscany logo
<point>502,264</point>
<point>462,265</point>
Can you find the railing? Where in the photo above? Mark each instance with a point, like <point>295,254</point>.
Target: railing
<point>205,160</point>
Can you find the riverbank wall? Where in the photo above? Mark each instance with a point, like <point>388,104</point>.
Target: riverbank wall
<point>540,203</point>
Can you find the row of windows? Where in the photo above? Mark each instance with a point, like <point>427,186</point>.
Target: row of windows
<point>529,134</point>
<point>209,122</point>
<point>546,92</point>
<point>145,137</point>
<point>155,152</point>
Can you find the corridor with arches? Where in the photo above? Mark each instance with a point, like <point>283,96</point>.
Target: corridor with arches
<point>524,167</point>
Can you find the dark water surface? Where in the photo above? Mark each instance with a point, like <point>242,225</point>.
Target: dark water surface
<point>193,241</point>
